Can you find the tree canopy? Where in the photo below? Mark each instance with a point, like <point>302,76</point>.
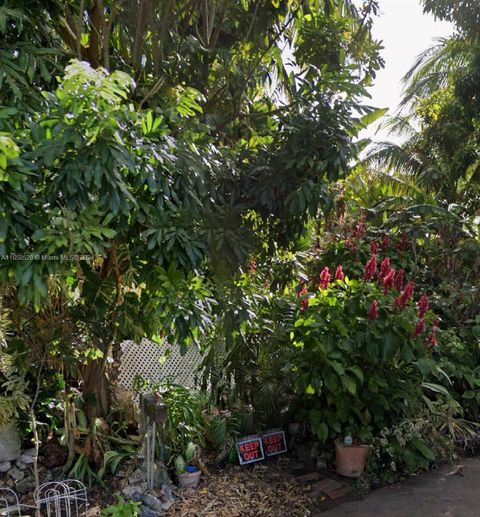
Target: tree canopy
<point>203,121</point>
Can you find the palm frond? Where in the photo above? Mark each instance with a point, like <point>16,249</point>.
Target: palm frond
<point>434,67</point>
<point>399,125</point>
<point>395,157</point>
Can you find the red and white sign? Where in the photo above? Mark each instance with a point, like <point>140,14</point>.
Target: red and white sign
<point>250,449</point>
<point>254,448</point>
<point>274,443</point>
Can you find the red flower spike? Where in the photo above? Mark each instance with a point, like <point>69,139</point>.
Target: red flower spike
<point>399,279</point>
<point>324,278</point>
<point>419,327</point>
<point>388,281</point>
<point>373,312</point>
<point>432,339</point>
<point>385,242</point>
<point>370,268</point>
<point>304,302</point>
<point>339,274</point>
<point>384,268</point>
<point>402,300</point>
<point>403,244</point>
<point>373,247</point>
<point>422,305</point>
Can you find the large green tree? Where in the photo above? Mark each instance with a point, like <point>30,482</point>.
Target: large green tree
<point>211,131</point>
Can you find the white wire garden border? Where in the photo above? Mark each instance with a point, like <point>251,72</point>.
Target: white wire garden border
<point>66,498</point>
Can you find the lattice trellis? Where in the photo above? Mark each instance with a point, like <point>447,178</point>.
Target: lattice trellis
<point>144,359</point>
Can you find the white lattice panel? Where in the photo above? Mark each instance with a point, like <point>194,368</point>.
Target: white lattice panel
<point>145,359</point>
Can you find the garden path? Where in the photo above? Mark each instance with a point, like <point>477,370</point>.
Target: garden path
<point>440,493</point>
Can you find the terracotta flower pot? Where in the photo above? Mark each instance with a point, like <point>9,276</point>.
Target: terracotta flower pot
<point>351,460</point>
<point>189,479</point>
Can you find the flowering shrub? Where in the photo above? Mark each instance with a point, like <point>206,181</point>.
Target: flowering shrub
<point>362,350</point>
<point>399,449</point>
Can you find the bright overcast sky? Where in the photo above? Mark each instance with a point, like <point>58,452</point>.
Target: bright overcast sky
<point>405,32</point>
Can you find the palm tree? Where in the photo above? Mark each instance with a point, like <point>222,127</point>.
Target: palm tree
<point>437,139</point>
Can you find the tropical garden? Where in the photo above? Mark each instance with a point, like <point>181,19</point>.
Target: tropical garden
<point>193,172</point>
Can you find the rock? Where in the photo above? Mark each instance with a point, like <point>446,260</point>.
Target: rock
<point>26,459</point>
<point>137,497</point>
<point>9,442</point>
<point>5,466</point>
<point>166,505</point>
<point>29,452</point>
<point>16,474</point>
<point>136,477</point>
<point>130,492</point>
<point>321,464</point>
<point>26,485</point>
<point>153,502</point>
<point>164,493</point>
<point>21,465</point>
<point>145,511</point>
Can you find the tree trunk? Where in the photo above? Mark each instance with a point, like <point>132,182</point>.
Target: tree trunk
<point>96,390</point>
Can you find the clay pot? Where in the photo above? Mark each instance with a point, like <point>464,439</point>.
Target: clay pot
<point>189,479</point>
<point>350,460</point>
<point>9,442</point>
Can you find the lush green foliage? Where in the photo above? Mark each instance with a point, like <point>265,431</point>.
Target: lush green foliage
<point>186,423</point>
<point>185,171</point>
<point>464,13</point>
<point>130,194</point>
<point>360,370</point>
<point>13,395</point>
<point>122,509</point>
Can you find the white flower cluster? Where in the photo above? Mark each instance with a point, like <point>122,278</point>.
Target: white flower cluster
<point>403,433</point>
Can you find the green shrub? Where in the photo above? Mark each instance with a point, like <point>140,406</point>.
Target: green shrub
<point>361,358</point>
<point>14,396</point>
<point>459,358</point>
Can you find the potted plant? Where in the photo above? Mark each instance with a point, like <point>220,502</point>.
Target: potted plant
<point>351,457</point>
<point>188,475</point>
